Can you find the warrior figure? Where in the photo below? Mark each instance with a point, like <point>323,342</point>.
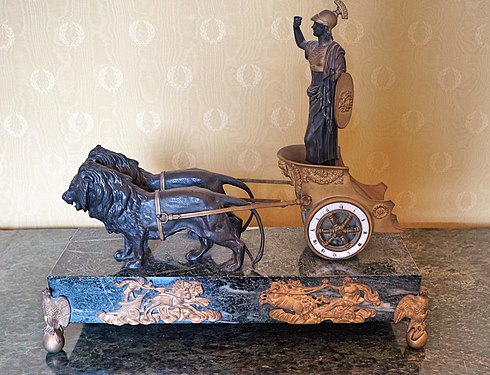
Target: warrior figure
<point>327,63</point>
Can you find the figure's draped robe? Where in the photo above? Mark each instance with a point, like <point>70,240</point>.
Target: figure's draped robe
<point>321,132</point>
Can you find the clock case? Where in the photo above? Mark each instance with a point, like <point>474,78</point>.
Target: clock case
<point>319,186</point>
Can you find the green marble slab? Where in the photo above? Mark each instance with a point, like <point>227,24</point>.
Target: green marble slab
<point>86,274</point>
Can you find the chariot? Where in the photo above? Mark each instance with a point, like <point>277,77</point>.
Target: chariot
<point>339,213</point>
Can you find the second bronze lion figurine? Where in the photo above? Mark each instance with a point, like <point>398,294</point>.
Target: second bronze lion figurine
<point>167,180</point>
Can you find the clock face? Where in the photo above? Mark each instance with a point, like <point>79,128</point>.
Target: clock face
<point>337,230</point>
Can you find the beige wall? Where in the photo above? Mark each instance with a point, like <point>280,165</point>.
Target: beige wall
<point>221,85</point>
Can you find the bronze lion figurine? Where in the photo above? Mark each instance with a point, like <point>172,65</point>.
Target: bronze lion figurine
<point>125,208</point>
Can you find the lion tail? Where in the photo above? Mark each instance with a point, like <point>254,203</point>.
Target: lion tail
<point>229,200</point>
<point>262,236</point>
<point>228,180</point>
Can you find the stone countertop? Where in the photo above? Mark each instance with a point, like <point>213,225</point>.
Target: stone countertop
<point>455,269</point>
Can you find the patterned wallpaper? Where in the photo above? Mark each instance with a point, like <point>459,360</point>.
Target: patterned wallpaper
<point>220,84</point>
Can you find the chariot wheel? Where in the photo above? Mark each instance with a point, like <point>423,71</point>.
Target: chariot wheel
<point>337,228</point>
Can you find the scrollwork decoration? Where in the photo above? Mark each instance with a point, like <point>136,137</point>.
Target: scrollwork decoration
<point>324,176</point>
<point>294,174</point>
<point>380,211</point>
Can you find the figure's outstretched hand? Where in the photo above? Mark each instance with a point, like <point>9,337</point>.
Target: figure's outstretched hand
<point>297,21</point>
<point>298,35</point>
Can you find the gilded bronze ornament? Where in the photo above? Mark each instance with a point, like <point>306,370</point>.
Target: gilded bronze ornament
<point>56,317</point>
<point>344,100</point>
<point>181,302</point>
<point>380,211</point>
<point>294,173</point>
<point>358,209</point>
<point>324,177</point>
<point>298,304</point>
<point>300,174</point>
<point>415,309</point>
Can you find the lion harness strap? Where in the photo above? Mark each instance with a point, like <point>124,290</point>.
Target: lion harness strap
<point>158,212</point>
<point>162,180</point>
<point>164,217</point>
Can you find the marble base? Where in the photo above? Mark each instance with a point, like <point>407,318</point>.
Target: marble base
<point>290,284</point>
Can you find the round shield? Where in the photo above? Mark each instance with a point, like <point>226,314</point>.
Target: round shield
<point>344,99</point>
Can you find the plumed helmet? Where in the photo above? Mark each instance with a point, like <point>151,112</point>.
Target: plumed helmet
<point>329,18</point>
<point>326,17</point>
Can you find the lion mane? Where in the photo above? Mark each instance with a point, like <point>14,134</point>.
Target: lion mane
<point>107,196</point>
<point>120,163</point>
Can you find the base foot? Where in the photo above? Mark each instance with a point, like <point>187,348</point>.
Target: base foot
<point>53,340</point>
<point>57,317</point>
<point>415,309</point>
<point>416,343</point>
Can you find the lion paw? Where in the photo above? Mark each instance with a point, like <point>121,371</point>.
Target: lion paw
<point>133,264</point>
<point>193,255</point>
<point>120,255</point>
<point>232,266</point>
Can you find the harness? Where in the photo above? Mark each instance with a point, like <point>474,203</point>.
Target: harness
<point>158,212</point>
<point>163,217</point>
<point>162,180</point>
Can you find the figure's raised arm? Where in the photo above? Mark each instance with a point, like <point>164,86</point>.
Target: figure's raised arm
<point>298,34</point>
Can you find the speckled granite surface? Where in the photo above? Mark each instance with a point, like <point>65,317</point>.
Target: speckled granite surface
<point>455,268</point>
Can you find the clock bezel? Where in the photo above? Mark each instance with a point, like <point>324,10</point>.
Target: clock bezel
<point>364,239</point>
